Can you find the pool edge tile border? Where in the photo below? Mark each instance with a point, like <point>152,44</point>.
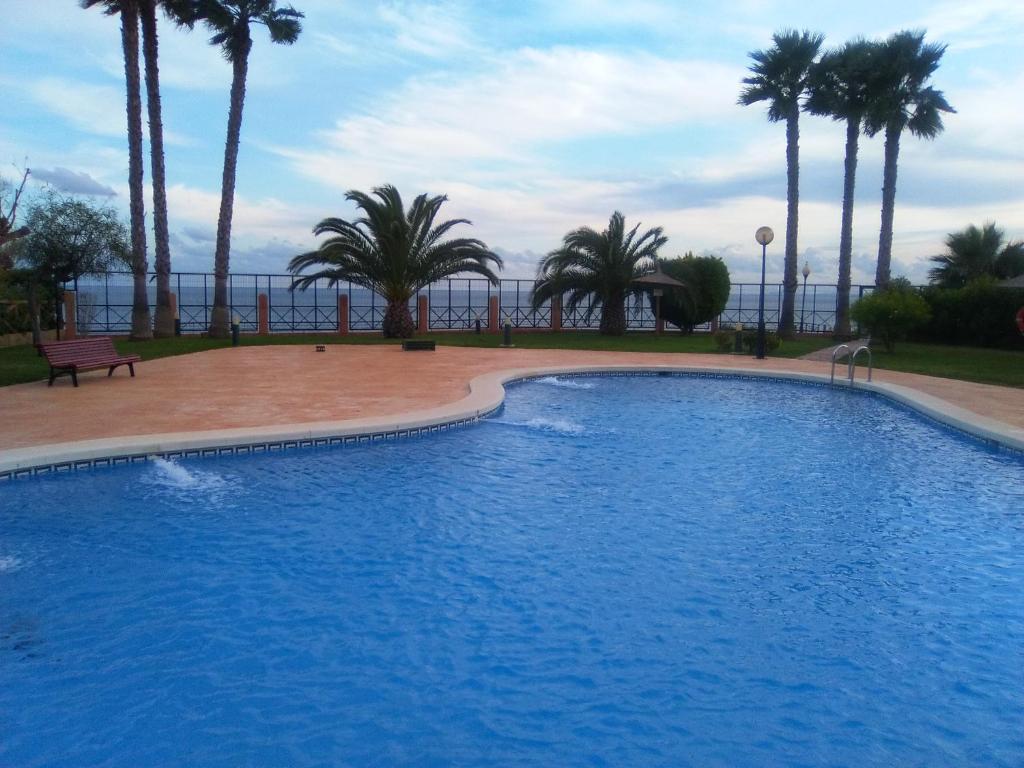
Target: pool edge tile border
<point>486,394</point>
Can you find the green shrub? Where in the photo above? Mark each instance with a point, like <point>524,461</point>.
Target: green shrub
<point>771,342</point>
<point>707,282</point>
<point>724,340</point>
<point>979,314</point>
<point>891,313</point>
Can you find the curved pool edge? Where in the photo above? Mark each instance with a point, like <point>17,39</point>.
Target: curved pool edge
<point>486,393</point>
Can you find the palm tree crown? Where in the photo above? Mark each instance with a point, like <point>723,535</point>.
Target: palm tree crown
<point>601,266</point>
<point>974,253</point>
<point>393,252</point>
<point>230,22</point>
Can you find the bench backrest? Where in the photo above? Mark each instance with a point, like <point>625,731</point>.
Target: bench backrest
<point>64,352</point>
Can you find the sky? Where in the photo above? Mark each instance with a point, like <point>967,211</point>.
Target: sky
<point>534,118</point>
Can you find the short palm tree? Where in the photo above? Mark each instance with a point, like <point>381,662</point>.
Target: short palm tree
<point>128,10</point>
<point>840,87</point>
<point>903,67</point>
<point>231,22</point>
<point>974,253</point>
<point>393,252</point>
<point>600,266</point>
<point>779,76</point>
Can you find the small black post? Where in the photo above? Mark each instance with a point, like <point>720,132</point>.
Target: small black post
<point>177,323</point>
<point>507,339</point>
<point>234,331</point>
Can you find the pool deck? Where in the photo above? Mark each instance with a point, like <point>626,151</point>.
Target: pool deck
<point>229,394</point>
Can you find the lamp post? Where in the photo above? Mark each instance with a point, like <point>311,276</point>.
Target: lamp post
<point>658,293</point>
<point>764,235</point>
<point>806,272</point>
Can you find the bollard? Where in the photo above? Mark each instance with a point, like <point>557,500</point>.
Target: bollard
<point>177,323</point>
<point>234,330</point>
<point>507,339</point>
<point>737,343</point>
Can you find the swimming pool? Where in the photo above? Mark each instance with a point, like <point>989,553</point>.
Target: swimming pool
<point>610,570</point>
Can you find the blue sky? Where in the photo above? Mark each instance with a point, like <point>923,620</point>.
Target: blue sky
<point>533,117</point>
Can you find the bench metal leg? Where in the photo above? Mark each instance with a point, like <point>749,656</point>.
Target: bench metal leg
<point>111,371</point>
<point>131,369</point>
<point>74,378</point>
<point>53,375</point>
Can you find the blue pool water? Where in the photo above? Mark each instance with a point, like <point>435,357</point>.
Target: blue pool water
<point>609,571</point>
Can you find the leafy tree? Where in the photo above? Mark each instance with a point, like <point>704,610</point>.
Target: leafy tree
<point>841,86</point>
<point>68,238</point>
<point>904,101</point>
<point>890,313</point>
<point>10,197</point>
<point>779,75</point>
<point>129,13</point>
<point>231,22</point>
<point>393,252</point>
<point>972,253</point>
<point>708,286</point>
<point>601,266</point>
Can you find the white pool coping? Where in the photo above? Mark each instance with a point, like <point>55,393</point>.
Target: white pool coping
<point>486,393</point>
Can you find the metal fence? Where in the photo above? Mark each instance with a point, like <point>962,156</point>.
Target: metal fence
<point>104,305</point>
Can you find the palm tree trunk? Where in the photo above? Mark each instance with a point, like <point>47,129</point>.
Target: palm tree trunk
<point>613,315</point>
<point>892,154</point>
<point>398,322</point>
<point>220,316</point>
<point>164,324</point>
<point>842,328</point>
<point>141,321</point>
<point>787,325</point>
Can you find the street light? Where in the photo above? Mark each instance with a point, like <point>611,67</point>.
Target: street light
<point>806,271</point>
<point>764,235</point>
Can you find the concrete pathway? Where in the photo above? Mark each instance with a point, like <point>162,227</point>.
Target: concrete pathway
<point>274,385</point>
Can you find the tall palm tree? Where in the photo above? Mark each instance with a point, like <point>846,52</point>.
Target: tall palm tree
<point>231,22</point>
<point>393,252</point>
<point>840,87</point>
<point>129,12</point>
<point>779,76</point>
<point>974,253</point>
<point>601,266</point>
<point>181,12</point>
<point>904,65</point>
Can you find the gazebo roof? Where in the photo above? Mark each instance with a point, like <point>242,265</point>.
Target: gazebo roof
<point>658,279</point>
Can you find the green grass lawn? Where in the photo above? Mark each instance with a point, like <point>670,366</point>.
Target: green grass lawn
<point>990,366</point>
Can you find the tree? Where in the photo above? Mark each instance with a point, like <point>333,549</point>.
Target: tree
<point>393,252</point>
<point>10,197</point>
<point>231,22</point>
<point>779,76</point>
<point>129,12</point>
<point>600,266</point>
<point>67,238</point>
<point>903,66</point>
<point>181,12</point>
<point>973,253</point>
<point>708,286</point>
<point>840,87</point>
<point>890,313</point>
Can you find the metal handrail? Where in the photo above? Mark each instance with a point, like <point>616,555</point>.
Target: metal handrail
<point>853,362</point>
<point>835,352</point>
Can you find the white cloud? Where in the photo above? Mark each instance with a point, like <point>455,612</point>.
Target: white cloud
<point>428,29</point>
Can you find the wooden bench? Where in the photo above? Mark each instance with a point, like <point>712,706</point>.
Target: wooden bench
<point>418,345</point>
<point>71,357</point>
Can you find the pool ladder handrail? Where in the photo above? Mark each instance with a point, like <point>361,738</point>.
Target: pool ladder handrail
<point>852,357</point>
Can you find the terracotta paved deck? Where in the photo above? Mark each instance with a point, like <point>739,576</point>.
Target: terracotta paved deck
<point>260,386</point>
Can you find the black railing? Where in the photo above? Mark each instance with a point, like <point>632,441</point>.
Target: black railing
<point>105,305</point>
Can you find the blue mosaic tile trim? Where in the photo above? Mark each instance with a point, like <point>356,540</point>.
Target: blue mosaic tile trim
<point>244,448</point>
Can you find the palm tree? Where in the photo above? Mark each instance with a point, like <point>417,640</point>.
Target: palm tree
<point>231,22</point>
<point>393,252</point>
<point>974,253</point>
<point>780,78</point>
<point>129,12</point>
<point>179,11</point>
<point>903,66</point>
<point>840,87</point>
<point>601,266</point>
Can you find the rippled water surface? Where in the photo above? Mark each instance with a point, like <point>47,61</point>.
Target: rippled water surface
<point>609,571</point>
